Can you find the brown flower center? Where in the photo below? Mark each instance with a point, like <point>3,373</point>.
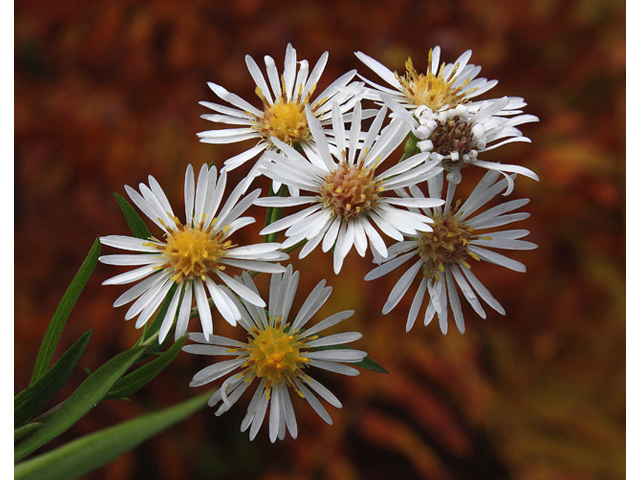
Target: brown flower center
<point>446,245</point>
<point>350,190</point>
<point>452,135</point>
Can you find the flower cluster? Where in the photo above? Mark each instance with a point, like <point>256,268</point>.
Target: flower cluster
<point>324,156</point>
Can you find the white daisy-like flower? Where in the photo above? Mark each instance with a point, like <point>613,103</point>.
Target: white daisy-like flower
<point>277,354</point>
<point>443,86</point>
<point>347,196</point>
<point>191,255</point>
<point>283,114</point>
<point>458,135</point>
<point>441,257</point>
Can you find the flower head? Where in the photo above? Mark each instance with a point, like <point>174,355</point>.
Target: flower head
<point>457,136</point>
<point>278,354</point>
<point>443,86</point>
<point>191,255</point>
<point>283,114</point>
<point>348,193</point>
<point>442,258</point>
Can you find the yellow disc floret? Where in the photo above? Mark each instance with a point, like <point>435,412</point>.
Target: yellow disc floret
<point>433,89</point>
<point>283,119</point>
<point>276,356</point>
<point>446,245</point>
<point>192,251</point>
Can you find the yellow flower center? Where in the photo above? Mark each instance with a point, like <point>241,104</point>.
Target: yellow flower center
<point>285,120</point>
<point>350,190</point>
<point>276,356</point>
<point>433,90</point>
<point>446,245</point>
<point>192,252</point>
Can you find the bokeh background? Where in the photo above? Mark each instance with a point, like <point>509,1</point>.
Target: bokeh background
<point>106,93</point>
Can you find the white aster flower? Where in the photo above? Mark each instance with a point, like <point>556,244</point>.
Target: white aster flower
<point>277,354</point>
<point>457,136</point>
<point>282,114</point>
<point>443,86</point>
<point>347,195</point>
<point>191,255</point>
<point>440,257</point>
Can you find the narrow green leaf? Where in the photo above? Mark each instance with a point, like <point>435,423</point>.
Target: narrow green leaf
<point>143,375</point>
<point>33,398</point>
<point>51,337</point>
<point>86,396</point>
<point>20,433</point>
<point>370,365</point>
<point>81,456</point>
<point>136,224</point>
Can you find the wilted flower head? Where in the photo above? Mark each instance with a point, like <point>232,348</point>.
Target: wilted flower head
<point>443,86</point>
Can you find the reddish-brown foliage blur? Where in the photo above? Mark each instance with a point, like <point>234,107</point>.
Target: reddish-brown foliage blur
<point>107,93</point>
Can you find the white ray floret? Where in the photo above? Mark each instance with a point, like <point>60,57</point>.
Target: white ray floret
<point>277,354</point>
<point>191,257</point>
<point>440,259</point>
<point>347,196</point>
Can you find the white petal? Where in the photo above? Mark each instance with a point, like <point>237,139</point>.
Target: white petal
<point>242,291</point>
<point>336,339</point>
<point>401,287</point>
<point>131,276</point>
<point>129,243</point>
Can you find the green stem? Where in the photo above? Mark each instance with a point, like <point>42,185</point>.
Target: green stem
<point>274,213</point>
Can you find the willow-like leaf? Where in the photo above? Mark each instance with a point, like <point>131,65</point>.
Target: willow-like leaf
<point>35,396</point>
<point>136,224</point>
<point>83,399</point>
<point>59,319</point>
<point>81,456</point>
<point>23,431</point>
<point>137,379</point>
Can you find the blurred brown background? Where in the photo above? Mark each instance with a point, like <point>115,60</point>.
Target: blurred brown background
<point>106,93</point>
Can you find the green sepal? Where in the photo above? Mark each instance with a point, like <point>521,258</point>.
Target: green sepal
<point>136,224</point>
<point>21,432</point>
<point>410,147</point>
<point>143,375</point>
<point>59,319</point>
<point>79,457</point>
<point>83,399</point>
<point>35,396</point>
